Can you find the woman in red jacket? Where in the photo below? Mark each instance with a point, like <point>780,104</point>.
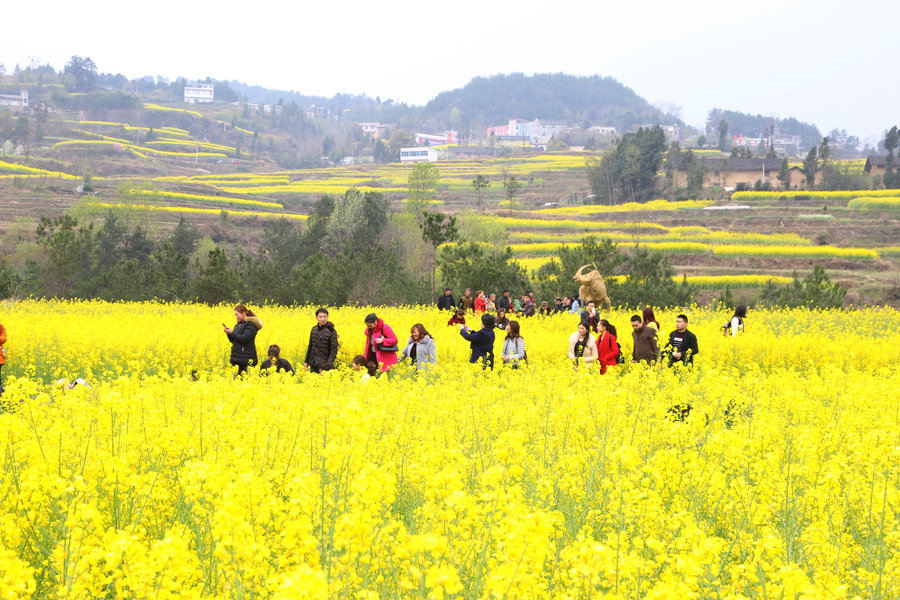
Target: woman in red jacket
<point>381,343</point>
<point>607,347</point>
<point>479,302</point>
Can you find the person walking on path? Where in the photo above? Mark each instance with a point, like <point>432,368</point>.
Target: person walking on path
<point>607,346</point>
<point>420,348</point>
<point>481,342</point>
<point>682,346</point>
<point>446,301</point>
<point>513,346</point>
<point>381,343</point>
<point>582,346</point>
<point>243,338</point>
<point>646,344</point>
<point>323,344</point>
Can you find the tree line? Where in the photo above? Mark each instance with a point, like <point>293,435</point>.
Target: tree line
<point>352,250</point>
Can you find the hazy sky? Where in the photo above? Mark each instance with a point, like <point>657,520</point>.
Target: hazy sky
<point>832,63</point>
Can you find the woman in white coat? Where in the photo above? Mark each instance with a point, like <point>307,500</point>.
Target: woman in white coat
<point>582,346</point>
<point>420,348</point>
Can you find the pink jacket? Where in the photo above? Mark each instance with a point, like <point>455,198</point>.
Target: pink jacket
<point>385,359</point>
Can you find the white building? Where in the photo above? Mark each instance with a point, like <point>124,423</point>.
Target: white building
<point>13,101</point>
<point>418,155</point>
<point>202,92</point>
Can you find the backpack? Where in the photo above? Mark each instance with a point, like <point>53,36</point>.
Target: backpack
<point>620,360</point>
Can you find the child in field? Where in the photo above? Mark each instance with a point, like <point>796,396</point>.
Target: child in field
<point>458,318</point>
<point>359,363</point>
<point>276,360</point>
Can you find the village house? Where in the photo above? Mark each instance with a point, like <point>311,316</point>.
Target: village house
<point>734,172</point>
<point>877,165</point>
<point>376,130</point>
<point>537,131</point>
<point>15,101</point>
<point>203,93</point>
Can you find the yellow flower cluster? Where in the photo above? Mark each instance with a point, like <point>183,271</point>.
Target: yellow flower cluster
<point>151,106</point>
<point>711,237</point>
<point>197,211</point>
<point>543,482</point>
<point>200,198</point>
<point>796,251</point>
<point>590,209</point>
<point>522,222</point>
<point>551,248</point>
<point>867,202</point>
<point>805,194</point>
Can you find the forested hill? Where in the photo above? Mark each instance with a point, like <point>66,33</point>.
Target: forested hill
<point>755,126</point>
<point>595,100</point>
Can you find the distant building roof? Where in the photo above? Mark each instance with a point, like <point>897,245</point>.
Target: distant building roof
<point>879,162</point>
<point>742,164</point>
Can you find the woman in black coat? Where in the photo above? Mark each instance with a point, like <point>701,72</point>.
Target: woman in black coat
<point>243,338</point>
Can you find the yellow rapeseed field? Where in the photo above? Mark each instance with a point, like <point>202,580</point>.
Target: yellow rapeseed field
<point>542,482</point>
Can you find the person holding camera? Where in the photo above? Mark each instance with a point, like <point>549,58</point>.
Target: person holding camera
<point>381,343</point>
<point>481,342</point>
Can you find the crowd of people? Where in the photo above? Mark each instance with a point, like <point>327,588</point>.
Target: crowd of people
<point>595,339</point>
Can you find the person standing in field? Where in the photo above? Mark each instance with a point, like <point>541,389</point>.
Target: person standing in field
<point>513,346</point>
<point>490,304</point>
<point>243,338</point>
<point>479,306</point>
<point>481,342</point>
<point>682,346</point>
<point>736,323</point>
<point>607,346</point>
<point>381,343</point>
<point>323,344</point>
<point>420,348</point>
<point>646,344</point>
<point>502,320</point>
<point>446,301</point>
<point>275,360</point>
<point>467,302</point>
<point>582,346</point>
<point>649,320</point>
<point>589,316</point>
<point>503,302</point>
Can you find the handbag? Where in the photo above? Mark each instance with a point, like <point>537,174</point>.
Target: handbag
<point>383,348</point>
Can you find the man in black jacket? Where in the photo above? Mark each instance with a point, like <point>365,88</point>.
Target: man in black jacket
<point>481,342</point>
<point>504,302</point>
<point>682,346</point>
<point>323,344</point>
<point>446,302</point>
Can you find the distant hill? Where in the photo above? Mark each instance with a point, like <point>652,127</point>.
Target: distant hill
<point>594,100</point>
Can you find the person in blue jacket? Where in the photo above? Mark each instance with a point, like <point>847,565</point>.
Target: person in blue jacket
<point>481,341</point>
